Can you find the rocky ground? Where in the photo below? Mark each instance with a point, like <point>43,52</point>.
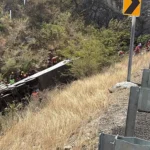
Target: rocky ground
<point>112,121</point>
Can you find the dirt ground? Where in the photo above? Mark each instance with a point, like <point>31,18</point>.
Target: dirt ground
<point>112,121</point>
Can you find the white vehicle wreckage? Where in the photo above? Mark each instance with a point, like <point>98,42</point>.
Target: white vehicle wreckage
<point>40,80</point>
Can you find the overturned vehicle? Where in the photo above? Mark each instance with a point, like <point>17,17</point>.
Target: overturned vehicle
<point>23,89</point>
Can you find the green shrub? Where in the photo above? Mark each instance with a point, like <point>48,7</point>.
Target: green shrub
<point>52,32</point>
<point>1,76</point>
<point>143,39</point>
<point>96,48</point>
<point>2,28</point>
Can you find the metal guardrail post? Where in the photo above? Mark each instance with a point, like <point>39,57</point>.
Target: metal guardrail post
<point>100,146</point>
<point>106,142</point>
<point>146,78</point>
<point>132,110</point>
<point>144,100</point>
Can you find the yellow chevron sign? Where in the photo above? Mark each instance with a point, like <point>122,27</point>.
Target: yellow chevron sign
<point>132,7</point>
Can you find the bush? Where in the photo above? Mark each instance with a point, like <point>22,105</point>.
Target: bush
<point>2,28</point>
<point>40,13</point>
<point>23,59</point>
<point>1,76</point>
<point>96,48</point>
<point>52,32</point>
<point>10,65</point>
<point>143,39</point>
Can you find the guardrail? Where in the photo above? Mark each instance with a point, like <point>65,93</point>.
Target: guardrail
<point>139,100</point>
<point>112,142</point>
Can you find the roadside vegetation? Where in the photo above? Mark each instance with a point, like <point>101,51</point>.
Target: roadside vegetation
<point>51,125</point>
<point>71,28</point>
<point>95,33</point>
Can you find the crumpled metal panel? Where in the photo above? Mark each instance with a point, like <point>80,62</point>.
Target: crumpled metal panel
<point>112,142</point>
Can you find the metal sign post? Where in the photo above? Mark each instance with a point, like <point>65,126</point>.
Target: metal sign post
<point>131,48</point>
<point>10,13</point>
<point>24,2</point>
<point>131,8</point>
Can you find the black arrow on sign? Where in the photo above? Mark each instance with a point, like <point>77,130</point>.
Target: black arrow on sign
<point>132,7</point>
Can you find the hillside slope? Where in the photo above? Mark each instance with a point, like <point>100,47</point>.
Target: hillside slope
<point>60,28</point>
<point>68,110</point>
<point>91,30</point>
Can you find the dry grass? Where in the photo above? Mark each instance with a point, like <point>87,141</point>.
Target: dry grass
<point>53,125</point>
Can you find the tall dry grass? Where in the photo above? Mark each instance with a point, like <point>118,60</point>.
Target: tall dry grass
<point>53,125</point>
